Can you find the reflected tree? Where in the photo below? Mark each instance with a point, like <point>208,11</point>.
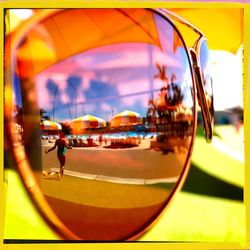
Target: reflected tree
<point>161,73</point>
<point>169,97</point>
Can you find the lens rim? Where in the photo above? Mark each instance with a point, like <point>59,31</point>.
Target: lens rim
<point>207,112</point>
<point>24,168</point>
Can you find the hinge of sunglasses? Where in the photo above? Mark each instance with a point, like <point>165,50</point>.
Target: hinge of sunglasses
<point>208,124</point>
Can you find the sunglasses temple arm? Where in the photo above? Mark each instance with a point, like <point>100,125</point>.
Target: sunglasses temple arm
<point>182,21</point>
<point>208,124</point>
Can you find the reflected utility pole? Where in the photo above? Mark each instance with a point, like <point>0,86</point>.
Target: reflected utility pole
<point>69,112</point>
<point>54,104</point>
<point>151,71</point>
<point>72,85</point>
<point>112,111</point>
<point>55,95</point>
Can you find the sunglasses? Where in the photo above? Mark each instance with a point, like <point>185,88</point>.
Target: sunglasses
<point>117,89</point>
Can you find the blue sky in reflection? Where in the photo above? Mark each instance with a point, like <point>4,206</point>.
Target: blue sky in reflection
<point>108,80</point>
<point>71,100</point>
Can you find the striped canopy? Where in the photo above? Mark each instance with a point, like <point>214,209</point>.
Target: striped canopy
<point>49,125</point>
<point>126,118</point>
<point>84,122</point>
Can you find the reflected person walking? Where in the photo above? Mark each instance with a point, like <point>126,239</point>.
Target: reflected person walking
<point>62,146</point>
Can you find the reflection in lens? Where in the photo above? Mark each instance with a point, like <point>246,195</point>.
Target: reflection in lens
<point>123,97</point>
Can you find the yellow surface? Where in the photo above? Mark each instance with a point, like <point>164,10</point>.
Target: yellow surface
<point>247,116</point>
<point>223,28</point>
<point>2,190</point>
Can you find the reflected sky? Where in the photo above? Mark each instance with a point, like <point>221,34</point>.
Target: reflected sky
<point>108,80</point>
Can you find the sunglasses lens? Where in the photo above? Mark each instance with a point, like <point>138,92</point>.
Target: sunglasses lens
<point>119,83</point>
<point>205,63</point>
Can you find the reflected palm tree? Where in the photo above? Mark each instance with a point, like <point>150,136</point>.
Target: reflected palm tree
<point>169,97</point>
<point>174,95</point>
<point>161,73</point>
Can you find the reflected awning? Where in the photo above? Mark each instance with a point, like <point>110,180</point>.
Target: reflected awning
<point>59,36</point>
<point>126,118</point>
<point>50,125</point>
<point>85,122</point>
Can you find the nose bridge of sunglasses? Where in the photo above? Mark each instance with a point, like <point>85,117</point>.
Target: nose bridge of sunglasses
<point>202,97</point>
